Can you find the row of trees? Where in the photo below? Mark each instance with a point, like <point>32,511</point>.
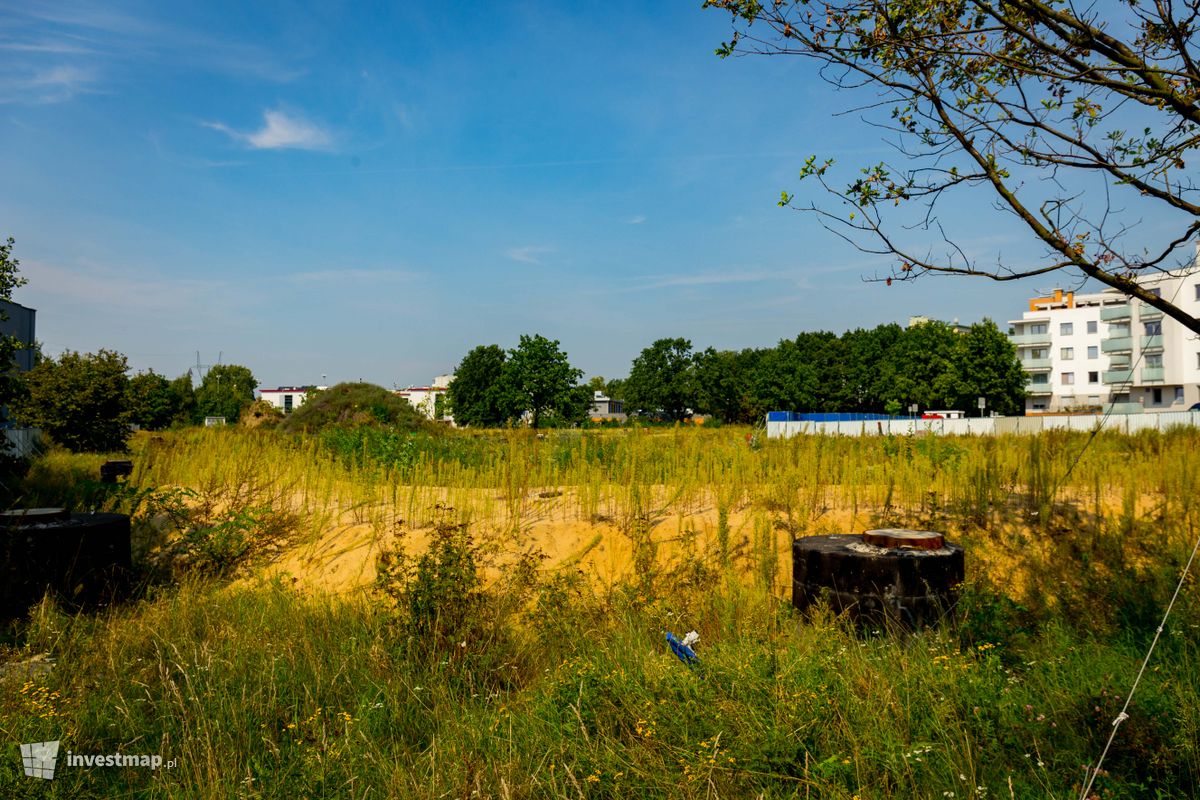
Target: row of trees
<point>87,401</point>
<point>882,370</point>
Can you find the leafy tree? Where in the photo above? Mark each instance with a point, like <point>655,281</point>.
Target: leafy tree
<point>184,399</point>
<point>539,379</point>
<point>803,374</point>
<point>866,359</point>
<point>990,369</point>
<point>10,383</point>
<point>79,400</point>
<point>663,379</point>
<point>1078,119</point>
<point>923,367</point>
<point>722,378</point>
<point>225,391</point>
<point>151,402</point>
<point>476,394</point>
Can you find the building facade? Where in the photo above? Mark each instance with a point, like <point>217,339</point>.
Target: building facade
<point>1082,352</point>
<point>287,398</point>
<point>430,400</point>
<point>605,409</point>
<point>20,321</point>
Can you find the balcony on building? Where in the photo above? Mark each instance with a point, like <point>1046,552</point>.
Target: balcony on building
<point>1037,389</point>
<point>1036,365</point>
<point>1152,342</point>
<point>1117,344</point>
<point>1118,376</point>
<point>1152,374</point>
<point>1031,339</point>
<point>1113,313</point>
<point>1148,313</point>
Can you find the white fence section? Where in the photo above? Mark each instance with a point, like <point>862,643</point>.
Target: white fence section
<point>986,426</point>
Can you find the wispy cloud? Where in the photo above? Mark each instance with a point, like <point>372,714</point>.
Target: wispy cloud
<point>280,131</point>
<point>117,40</point>
<point>47,46</point>
<point>636,219</point>
<point>121,291</point>
<point>51,84</point>
<point>529,254</point>
<point>708,279</point>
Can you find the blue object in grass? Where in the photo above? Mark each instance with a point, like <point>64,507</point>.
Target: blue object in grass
<point>682,651</point>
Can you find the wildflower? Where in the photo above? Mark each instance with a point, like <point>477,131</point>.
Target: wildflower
<point>593,778</point>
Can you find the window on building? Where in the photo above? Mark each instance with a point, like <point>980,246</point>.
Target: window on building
<point>287,404</point>
<point>1118,329</point>
<point>1157,393</point>
<point>1178,394</point>
<point>1093,326</point>
<point>1067,379</point>
<point>1066,328</point>
<point>1155,292</point>
<point>1039,406</point>
<point>1154,328</point>
<point>1043,352</point>
<point>1039,377</point>
<point>1039,327</point>
<point>1093,377</point>
<point>1066,353</point>
<point>1093,351</point>
<point>1153,359</point>
<point>1198,291</point>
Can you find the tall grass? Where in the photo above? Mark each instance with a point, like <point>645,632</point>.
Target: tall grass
<point>556,685</point>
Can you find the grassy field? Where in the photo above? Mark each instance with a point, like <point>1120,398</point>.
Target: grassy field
<point>362,615</point>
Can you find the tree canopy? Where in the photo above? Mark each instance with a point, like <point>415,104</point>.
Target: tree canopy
<point>225,391</point>
<point>154,403</point>
<point>492,387</point>
<point>1080,121</point>
<point>79,400</point>
<point>662,380</point>
<point>10,279</point>
<point>886,368</point>
<point>539,380</point>
<point>475,394</point>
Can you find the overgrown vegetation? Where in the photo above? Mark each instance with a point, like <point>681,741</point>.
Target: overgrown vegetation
<point>473,667</point>
<point>349,406</point>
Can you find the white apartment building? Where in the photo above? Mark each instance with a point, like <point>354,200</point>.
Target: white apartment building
<point>430,400</point>
<point>1084,351</point>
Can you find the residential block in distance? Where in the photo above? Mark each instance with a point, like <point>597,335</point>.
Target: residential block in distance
<point>1081,352</point>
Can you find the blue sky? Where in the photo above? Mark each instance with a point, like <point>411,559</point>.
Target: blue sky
<point>369,192</point>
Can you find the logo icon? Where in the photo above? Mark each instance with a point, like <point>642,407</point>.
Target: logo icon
<point>39,759</point>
